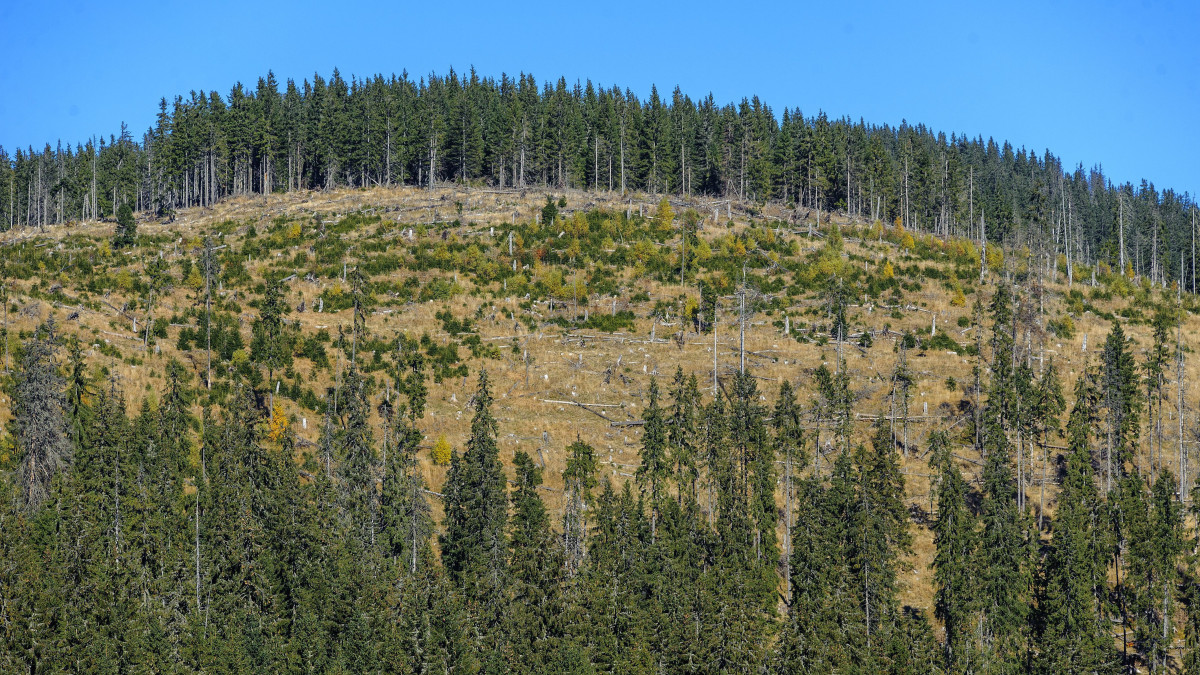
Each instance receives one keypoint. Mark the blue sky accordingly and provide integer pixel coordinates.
(1116, 84)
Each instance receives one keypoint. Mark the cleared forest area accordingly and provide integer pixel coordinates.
(926, 350)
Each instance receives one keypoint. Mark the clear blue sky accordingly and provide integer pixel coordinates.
(1116, 84)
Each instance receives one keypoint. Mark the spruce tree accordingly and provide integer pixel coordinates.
(835, 402)
(682, 426)
(406, 519)
(126, 231)
(1156, 372)
(1128, 517)
(534, 565)
(1191, 655)
(826, 627)
(654, 470)
(474, 545)
(358, 460)
(788, 423)
(956, 537)
(1046, 407)
(79, 391)
(1154, 553)
(754, 454)
(270, 346)
(1003, 558)
(881, 529)
(1122, 405)
(1074, 634)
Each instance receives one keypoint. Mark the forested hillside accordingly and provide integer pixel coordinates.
(275, 403)
(515, 132)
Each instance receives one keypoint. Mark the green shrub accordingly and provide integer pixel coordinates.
(1063, 327)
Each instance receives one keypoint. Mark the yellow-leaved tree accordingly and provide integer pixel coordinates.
(277, 426)
(441, 451)
(664, 216)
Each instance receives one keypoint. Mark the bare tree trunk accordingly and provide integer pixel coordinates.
(742, 327)
(622, 155)
(197, 517)
(1121, 229)
(1182, 466)
(787, 528)
(982, 247)
(208, 270)
(714, 331)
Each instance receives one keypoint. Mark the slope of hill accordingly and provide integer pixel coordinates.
(573, 302)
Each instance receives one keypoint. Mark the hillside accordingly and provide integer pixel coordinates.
(573, 319)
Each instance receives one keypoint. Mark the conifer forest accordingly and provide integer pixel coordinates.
(465, 375)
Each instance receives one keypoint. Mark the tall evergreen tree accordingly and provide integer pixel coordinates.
(826, 627)
(406, 518)
(881, 530)
(789, 444)
(1003, 559)
(1074, 634)
(956, 537)
(126, 232)
(475, 544)
(535, 567)
(270, 346)
(358, 461)
(682, 425)
(1153, 573)
(654, 471)
(1122, 405)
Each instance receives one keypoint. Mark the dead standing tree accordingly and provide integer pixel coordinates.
(40, 423)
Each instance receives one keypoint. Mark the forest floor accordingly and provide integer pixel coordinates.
(582, 383)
